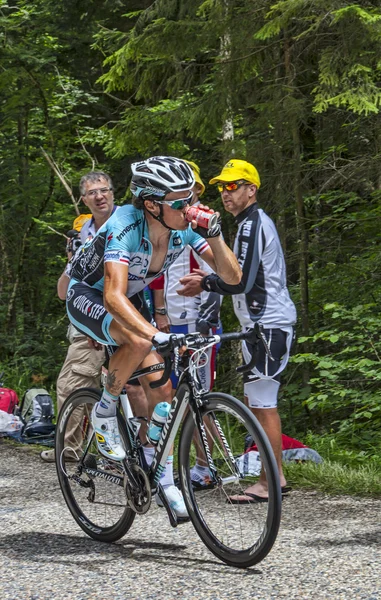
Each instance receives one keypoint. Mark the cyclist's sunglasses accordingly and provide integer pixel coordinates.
(232, 186)
(179, 203)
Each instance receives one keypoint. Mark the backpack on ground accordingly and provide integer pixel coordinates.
(37, 412)
(8, 400)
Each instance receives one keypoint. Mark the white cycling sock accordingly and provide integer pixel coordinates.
(106, 407)
(148, 454)
(167, 475)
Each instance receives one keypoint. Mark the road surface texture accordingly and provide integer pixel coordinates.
(328, 547)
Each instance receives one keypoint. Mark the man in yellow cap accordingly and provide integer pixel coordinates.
(261, 296)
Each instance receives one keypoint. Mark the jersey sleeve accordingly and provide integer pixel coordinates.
(250, 243)
(196, 241)
(119, 240)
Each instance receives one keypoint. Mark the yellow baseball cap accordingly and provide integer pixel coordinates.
(79, 222)
(196, 172)
(236, 169)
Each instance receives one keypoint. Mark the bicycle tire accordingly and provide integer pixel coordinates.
(92, 520)
(211, 508)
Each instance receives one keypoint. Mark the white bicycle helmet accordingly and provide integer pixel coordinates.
(159, 175)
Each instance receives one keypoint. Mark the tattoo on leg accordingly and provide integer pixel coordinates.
(113, 384)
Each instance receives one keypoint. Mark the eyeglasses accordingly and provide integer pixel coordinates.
(232, 186)
(103, 191)
(179, 203)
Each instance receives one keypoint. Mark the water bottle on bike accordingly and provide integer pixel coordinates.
(159, 417)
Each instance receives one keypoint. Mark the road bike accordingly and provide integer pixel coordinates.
(104, 496)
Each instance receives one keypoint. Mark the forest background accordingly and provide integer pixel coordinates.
(293, 87)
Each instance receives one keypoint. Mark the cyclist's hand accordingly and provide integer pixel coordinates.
(165, 343)
(208, 233)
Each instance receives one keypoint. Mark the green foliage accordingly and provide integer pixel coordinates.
(343, 392)
(335, 478)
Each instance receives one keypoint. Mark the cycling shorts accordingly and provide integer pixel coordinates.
(86, 311)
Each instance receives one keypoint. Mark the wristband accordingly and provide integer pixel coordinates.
(161, 311)
(206, 282)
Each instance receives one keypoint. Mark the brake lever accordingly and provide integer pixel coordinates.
(250, 365)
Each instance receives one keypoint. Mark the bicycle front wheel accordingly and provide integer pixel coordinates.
(91, 484)
(239, 534)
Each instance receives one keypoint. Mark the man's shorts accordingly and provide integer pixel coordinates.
(261, 385)
(87, 312)
(207, 372)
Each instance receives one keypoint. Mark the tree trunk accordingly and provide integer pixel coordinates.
(300, 208)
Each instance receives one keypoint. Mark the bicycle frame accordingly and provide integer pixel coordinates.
(185, 397)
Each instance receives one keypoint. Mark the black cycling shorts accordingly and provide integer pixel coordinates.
(87, 312)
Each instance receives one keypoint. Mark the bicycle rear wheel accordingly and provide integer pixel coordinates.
(91, 484)
(239, 534)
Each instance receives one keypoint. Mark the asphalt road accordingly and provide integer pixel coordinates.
(328, 547)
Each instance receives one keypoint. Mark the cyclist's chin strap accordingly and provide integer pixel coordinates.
(159, 217)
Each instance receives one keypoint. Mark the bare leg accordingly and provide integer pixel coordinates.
(270, 421)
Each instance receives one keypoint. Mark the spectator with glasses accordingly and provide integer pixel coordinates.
(261, 296)
(136, 245)
(84, 359)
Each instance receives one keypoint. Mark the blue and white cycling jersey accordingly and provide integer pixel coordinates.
(124, 238)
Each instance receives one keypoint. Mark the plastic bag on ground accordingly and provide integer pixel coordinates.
(10, 425)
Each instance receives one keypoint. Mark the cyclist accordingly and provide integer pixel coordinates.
(137, 244)
(262, 295)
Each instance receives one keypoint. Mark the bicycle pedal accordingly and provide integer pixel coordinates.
(173, 519)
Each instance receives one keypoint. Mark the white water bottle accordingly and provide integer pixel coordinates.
(159, 417)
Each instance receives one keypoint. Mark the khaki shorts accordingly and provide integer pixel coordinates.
(82, 368)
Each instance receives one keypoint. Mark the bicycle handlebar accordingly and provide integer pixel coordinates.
(197, 340)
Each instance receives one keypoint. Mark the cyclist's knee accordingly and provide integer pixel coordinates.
(128, 340)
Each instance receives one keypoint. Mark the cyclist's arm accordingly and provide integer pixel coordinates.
(119, 306)
(162, 321)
